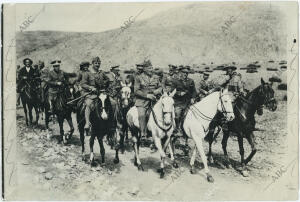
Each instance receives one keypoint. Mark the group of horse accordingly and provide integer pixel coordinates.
(216, 110)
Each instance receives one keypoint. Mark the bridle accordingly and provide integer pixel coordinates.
(205, 117)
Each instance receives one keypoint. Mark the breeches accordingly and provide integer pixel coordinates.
(142, 119)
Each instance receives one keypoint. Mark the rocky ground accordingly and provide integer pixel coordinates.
(50, 171)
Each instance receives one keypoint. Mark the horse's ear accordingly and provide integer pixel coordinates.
(224, 91)
(122, 84)
(173, 93)
(129, 85)
(262, 81)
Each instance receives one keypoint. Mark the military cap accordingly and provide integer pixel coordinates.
(158, 70)
(205, 74)
(84, 64)
(96, 59)
(27, 59)
(147, 63)
(183, 69)
(115, 68)
(230, 67)
(55, 63)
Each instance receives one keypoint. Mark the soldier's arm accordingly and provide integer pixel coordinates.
(51, 81)
(193, 89)
(137, 88)
(68, 75)
(85, 82)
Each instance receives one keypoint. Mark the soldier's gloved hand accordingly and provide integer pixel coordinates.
(151, 97)
(192, 101)
(58, 83)
(93, 89)
(182, 93)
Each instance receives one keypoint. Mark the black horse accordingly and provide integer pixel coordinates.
(30, 98)
(244, 123)
(63, 110)
(101, 118)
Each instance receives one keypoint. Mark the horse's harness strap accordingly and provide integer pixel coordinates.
(156, 122)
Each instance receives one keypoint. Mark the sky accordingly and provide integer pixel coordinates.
(85, 17)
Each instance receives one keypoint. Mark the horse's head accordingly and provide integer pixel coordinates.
(125, 93)
(266, 93)
(168, 107)
(225, 105)
(104, 108)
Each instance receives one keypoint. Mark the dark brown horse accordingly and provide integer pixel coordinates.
(29, 98)
(63, 111)
(244, 123)
(101, 123)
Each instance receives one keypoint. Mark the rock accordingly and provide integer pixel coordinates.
(42, 170)
(134, 191)
(48, 176)
(60, 165)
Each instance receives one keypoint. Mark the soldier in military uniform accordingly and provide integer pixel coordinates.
(56, 78)
(185, 95)
(159, 73)
(92, 81)
(232, 81)
(169, 81)
(147, 87)
(44, 74)
(114, 84)
(204, 86)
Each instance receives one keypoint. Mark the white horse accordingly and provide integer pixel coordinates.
(161, 125)
(197, 122)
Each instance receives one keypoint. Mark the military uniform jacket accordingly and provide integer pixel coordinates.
(168, 83)
(55, 77)
(97, 80)
(144, 85)
(185, 91)
(233, 83)
(114, 84)
(204, 87)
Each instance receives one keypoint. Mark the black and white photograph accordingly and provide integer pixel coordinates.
(150, 101)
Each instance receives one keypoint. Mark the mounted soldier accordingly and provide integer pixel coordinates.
(147, 87)
(204, 86)
(169, 80)
(26, 75)
(185, 95)
(91, 83)
(114, 87)
(44, 74)
(159, 73)
(56, 79)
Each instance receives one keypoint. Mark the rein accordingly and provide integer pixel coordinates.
(156, 122)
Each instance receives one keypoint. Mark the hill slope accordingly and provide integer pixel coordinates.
(188, 35)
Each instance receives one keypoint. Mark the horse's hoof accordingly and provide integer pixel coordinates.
(245, 173)
(65, 140)
(193, 171)
(210, 160)
(140, 167)
(175, 164)
(210, 178)
(116, 161)
(83, 157)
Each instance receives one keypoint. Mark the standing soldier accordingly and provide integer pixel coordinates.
(146, 87)
(56, 78)
(114, 84)
(92, 81)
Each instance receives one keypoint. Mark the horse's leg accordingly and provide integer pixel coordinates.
(117, 147)
(252, 143)
(175, 164)
(199, 144)
(92, 140)
(102, 150)
(192, 161)
(70, 122)
(80, 125)
(37, 113)
(210, 137)
(30, 113)
(241, 147)
(224, 147)
(122, 138)
(157, 142)
(60, 121)
(135, 138)
(25, 110)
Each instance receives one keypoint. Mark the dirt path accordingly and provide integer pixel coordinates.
(50, 171)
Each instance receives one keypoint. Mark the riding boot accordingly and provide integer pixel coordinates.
(87, 118)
